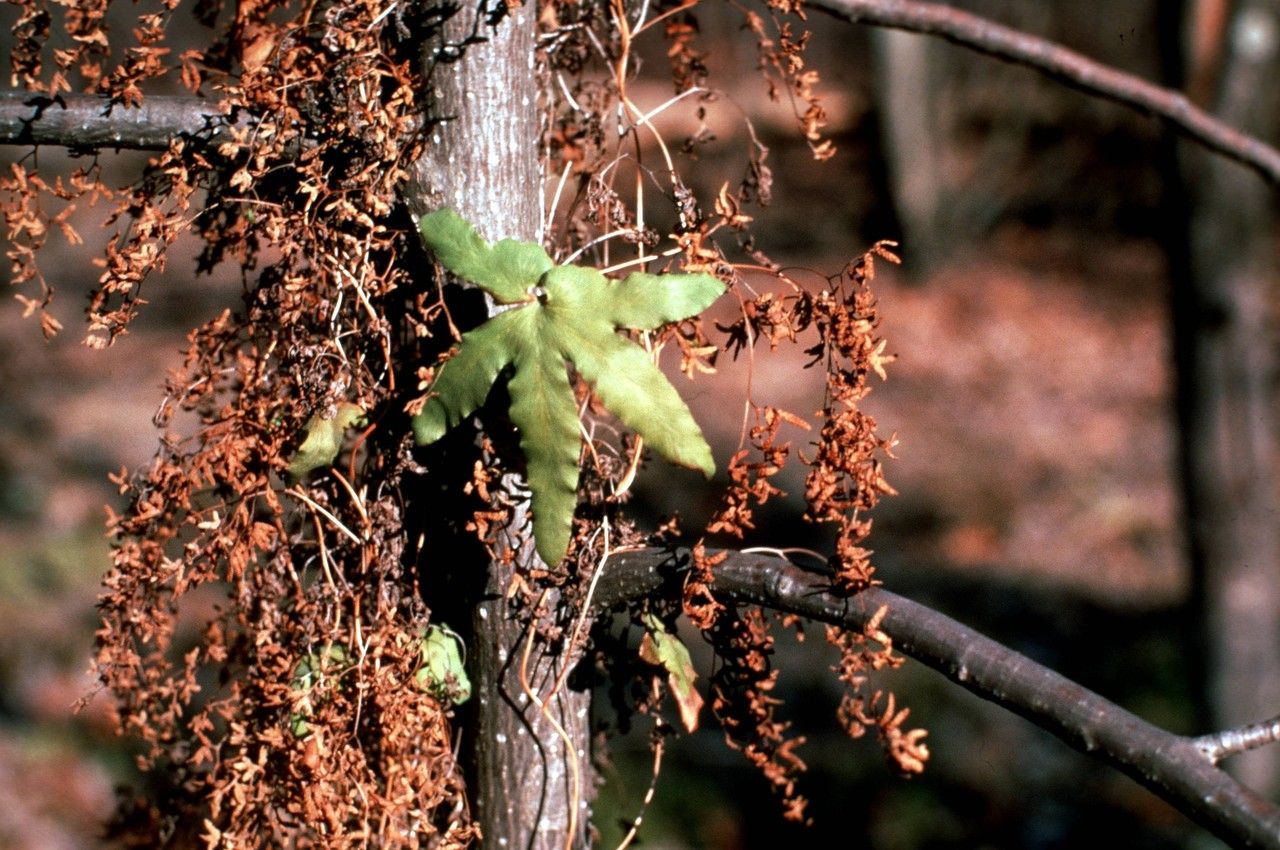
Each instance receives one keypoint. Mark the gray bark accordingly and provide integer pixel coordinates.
(483, 162)
(1223, 311)
(86, 121)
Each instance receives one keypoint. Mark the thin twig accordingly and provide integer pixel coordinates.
(648, 796)
(297, 493)
(356, 501)
(1062, 64)
(1231, 742)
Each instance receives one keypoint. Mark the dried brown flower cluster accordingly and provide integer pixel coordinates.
(85, 64)
(743, 702)
(846, 475)
(845, 479)
(750, 480)
(295, 713)
(782, 61)
(28, 223)
(860, 654)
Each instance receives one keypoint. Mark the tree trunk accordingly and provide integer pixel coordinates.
(1224, 273)
(483, 162)
(912, 142)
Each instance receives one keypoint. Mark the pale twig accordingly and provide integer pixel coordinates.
(355, 499)
(597, 240)
(658, 110)
(326, 568)
(648, 797)
(633, 466)
(785, 552)
(641, 15)
(383, 14)
(1232, 742)
(298, 494)
(555, 200)
(637, 261)
(362, 643)
(569, 97)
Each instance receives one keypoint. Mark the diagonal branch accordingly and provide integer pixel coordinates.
(1174, 767)
(89, 121)
(86, 121)
(1062, 64)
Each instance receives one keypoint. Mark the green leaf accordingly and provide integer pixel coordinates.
(324, 439)
(442, 673)
(545, 411)
(463, 381)
(663, 649)
(637, 392)
(507, 270)
(572, 320)
(312, 678)
(646, 301)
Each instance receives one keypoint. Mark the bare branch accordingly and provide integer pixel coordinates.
(1174, 767)
(88, 121)
(1064, 65)
(84, 120)
(1219, 745)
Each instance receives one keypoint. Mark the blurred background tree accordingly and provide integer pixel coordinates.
(1223, 274)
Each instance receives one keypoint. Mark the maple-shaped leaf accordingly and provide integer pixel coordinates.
(563, 313)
